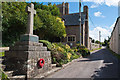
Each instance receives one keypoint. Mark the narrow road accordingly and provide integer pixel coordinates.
(100, 64)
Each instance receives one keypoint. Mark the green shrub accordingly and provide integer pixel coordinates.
(76, 56)
(61, 54)
(78, 46)
(83, 51)
(47, 43)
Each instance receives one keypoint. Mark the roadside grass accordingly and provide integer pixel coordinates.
(115, 54)
(95, 49)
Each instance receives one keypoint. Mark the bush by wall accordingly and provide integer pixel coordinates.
(61, 54)
(83, 50)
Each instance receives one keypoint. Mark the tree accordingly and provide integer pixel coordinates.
(93, 41)
(52, 26)
(97, 42)
(108, 39)
(14, 21)
(106, 42)
(53, 9)
(47, 24)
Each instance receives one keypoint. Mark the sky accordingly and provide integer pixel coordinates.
(102, 15)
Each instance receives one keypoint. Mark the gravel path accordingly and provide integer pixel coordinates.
(100, 64)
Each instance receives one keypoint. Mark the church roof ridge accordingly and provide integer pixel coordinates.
(73, 19)
(73, 13)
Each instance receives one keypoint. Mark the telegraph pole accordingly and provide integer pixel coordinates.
(100, 37)
(80, 19)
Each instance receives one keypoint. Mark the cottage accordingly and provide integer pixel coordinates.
(72, 23)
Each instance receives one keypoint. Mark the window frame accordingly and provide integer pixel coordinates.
(72, 38)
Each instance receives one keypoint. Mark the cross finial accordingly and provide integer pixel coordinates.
(31, 13)
(31, 9)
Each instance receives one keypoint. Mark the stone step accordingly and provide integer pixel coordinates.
(2, 66)
(8, 68)
(39, 54)
(28, 43)
(28, 48)
(1, 60)
(3, 57)
(2, 49)
(9, 73)
(17, 77)
(10, 54)
(53, 65)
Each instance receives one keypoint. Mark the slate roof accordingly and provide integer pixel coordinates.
(73, 19)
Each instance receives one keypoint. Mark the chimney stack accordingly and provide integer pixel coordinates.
(86, 12)
(63, 8)
(67, 8)
(86, 26)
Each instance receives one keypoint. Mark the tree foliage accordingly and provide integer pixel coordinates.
(14, 21)
(52, 26)
(47, 24)
(50, 8)
(106, 42)
(93, 41)
(97, 42)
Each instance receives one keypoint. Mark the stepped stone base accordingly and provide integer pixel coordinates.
(22, 59)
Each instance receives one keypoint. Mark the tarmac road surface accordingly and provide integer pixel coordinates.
(100, 64)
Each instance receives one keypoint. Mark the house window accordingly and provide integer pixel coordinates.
(71, 39)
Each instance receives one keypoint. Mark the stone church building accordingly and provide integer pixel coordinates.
(72, 24)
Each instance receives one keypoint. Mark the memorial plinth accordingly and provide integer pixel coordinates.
(29, 37)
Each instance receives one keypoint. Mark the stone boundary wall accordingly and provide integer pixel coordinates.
(94, 46)
(115, 38)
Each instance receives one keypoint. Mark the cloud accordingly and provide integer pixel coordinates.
(105, 32)
(112, 26)
(95, 33)
(95, 1)
(98, 14)
(111, 2)
(106, 2)
(94, 6)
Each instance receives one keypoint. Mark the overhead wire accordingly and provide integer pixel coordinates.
(90, 18)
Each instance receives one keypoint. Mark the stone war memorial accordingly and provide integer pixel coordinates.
(27, 58)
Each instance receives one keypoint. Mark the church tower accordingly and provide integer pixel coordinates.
(64, 8)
